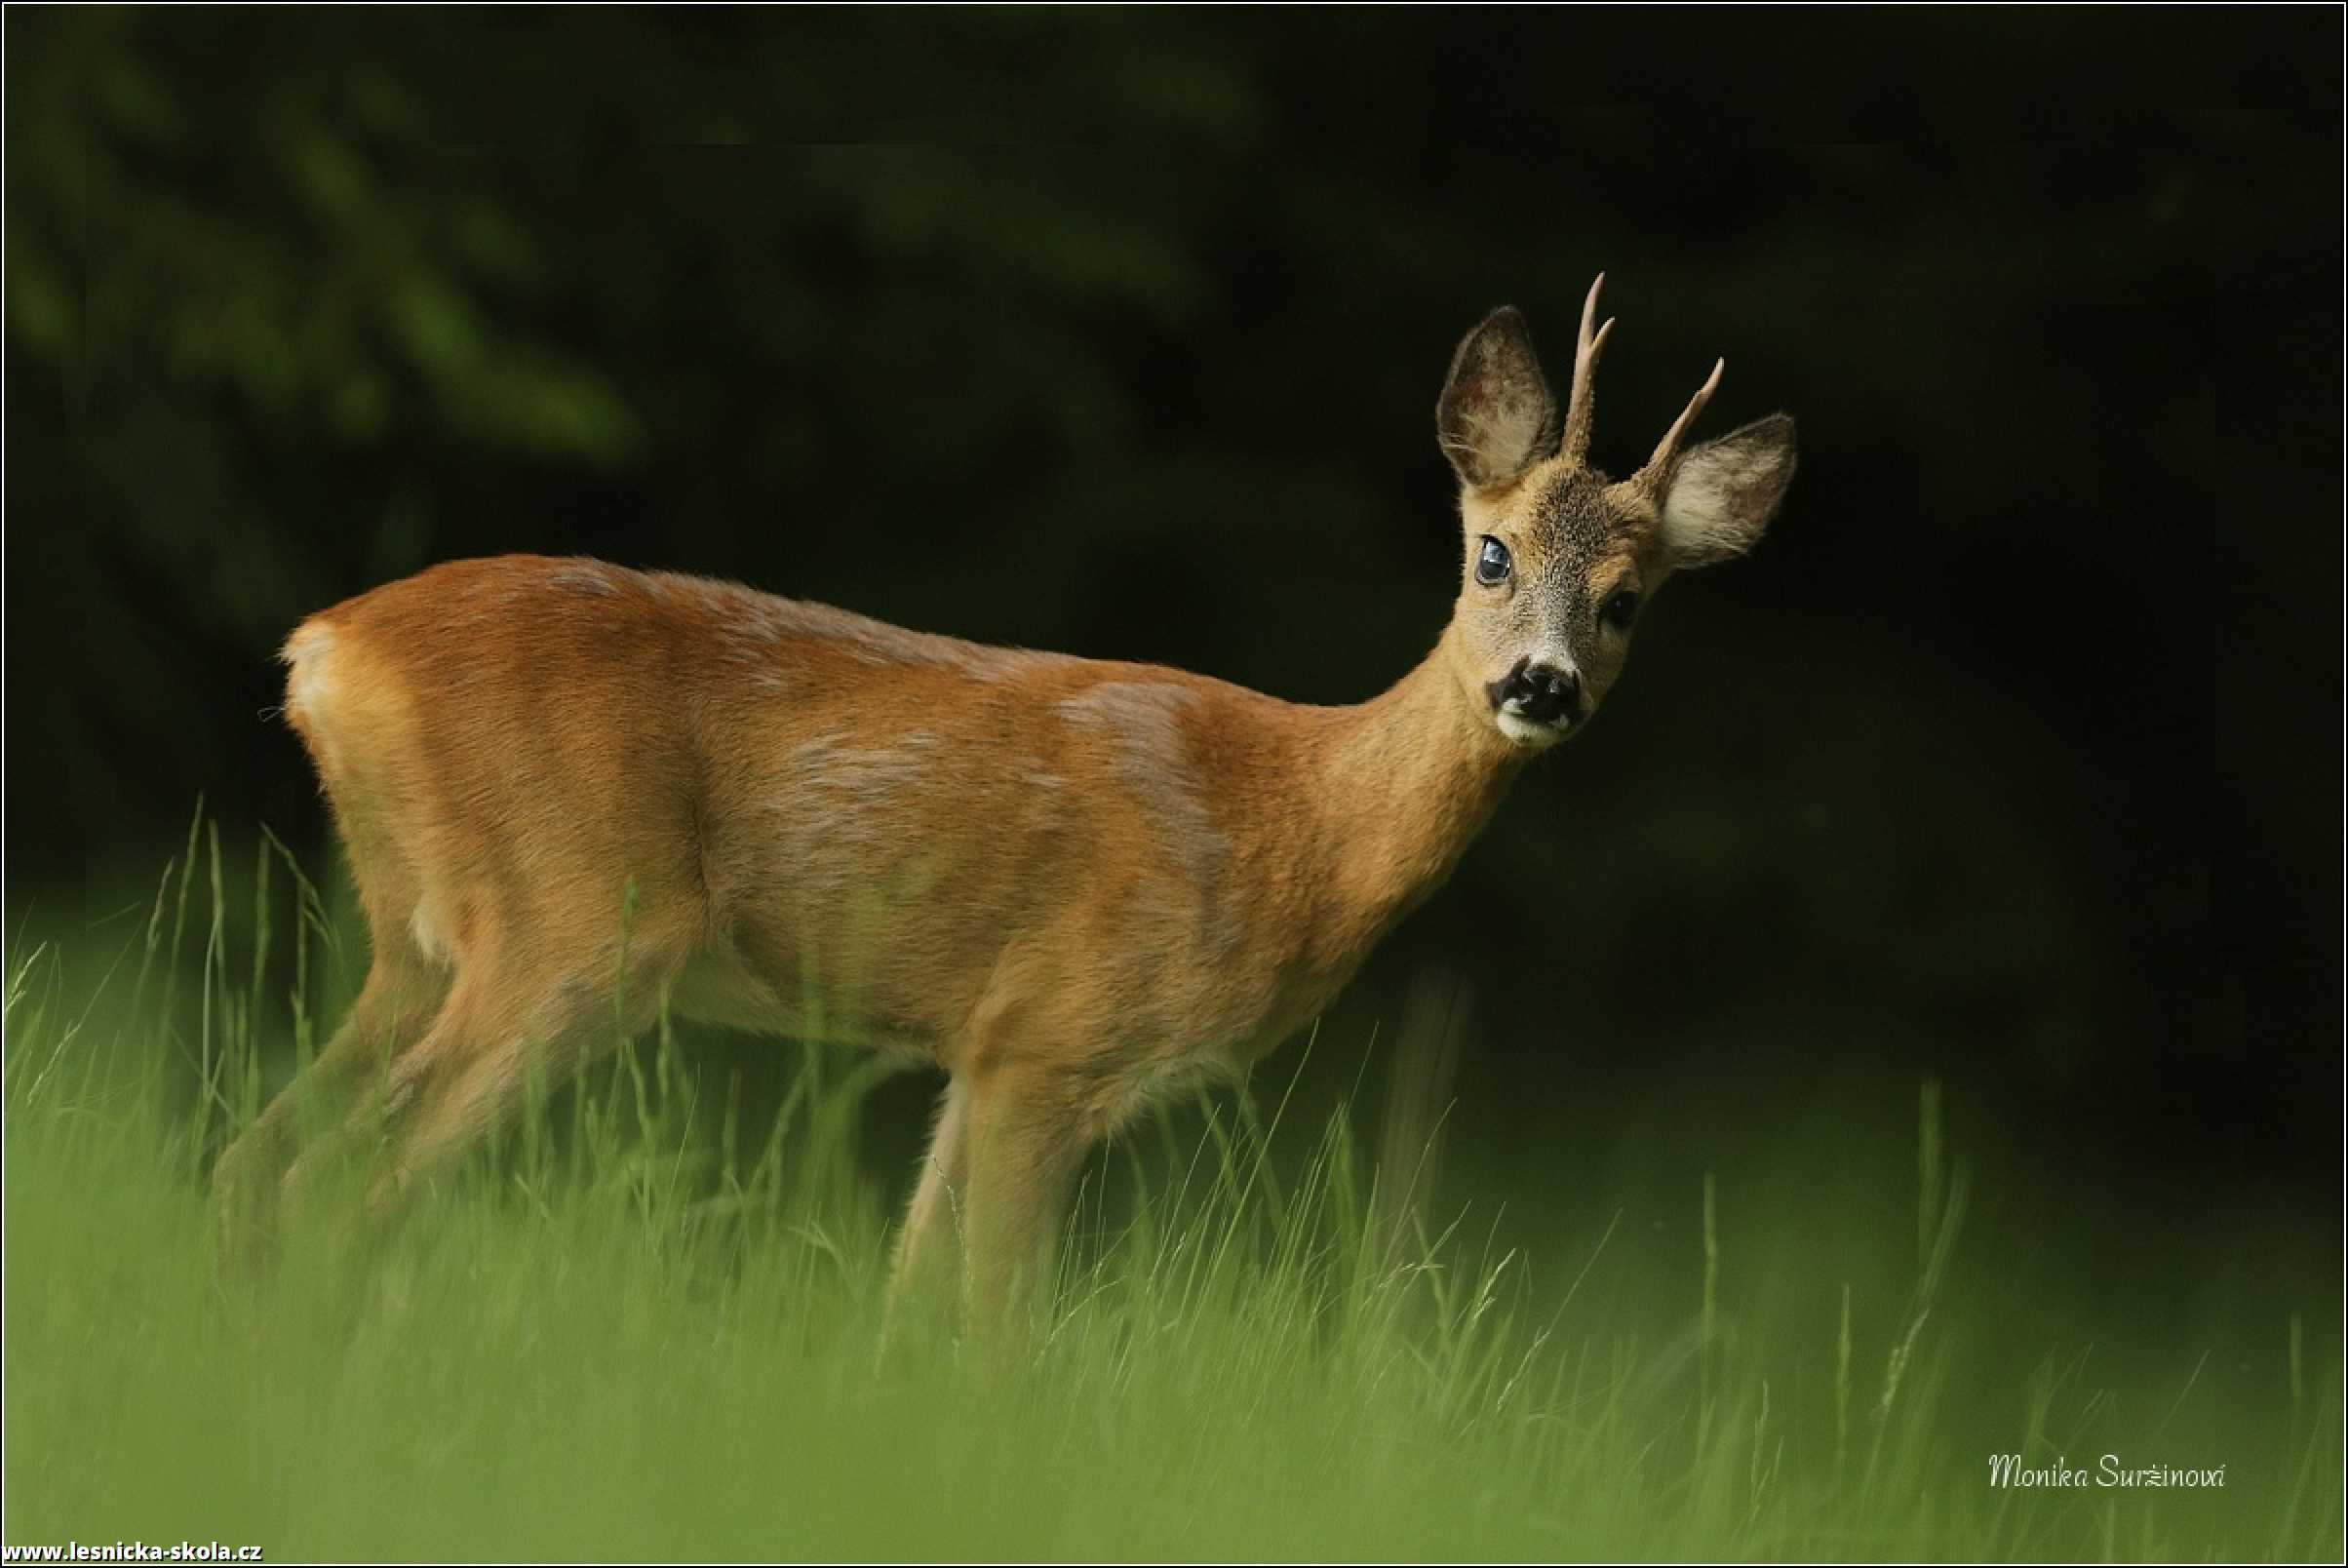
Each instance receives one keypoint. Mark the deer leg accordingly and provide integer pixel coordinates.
(394, 1007)
(1027, 1140)
(502, 1024)
(931, 1238)
(930, 1245)
(471, 1077)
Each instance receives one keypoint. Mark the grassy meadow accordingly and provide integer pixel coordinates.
(647, 1323)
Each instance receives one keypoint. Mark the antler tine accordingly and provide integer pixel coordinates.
(1587, 350)
(1658, 466)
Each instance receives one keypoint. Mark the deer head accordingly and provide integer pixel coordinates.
(1559, 559)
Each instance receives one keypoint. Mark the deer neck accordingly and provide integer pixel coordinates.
(1410, 777)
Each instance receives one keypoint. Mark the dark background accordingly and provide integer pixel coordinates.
(2011, 756)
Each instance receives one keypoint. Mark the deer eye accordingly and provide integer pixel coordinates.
(1491, 565)
(1620, 609)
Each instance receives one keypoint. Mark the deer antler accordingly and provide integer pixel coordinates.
(1578, 407)
(1581, 404)
(1658, 473)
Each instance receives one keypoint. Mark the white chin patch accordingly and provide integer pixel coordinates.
(1523, 732)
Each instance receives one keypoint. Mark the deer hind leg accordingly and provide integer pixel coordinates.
(1028, 1134)
(508, 1020)
(407, 983)
(930, 1245)
(403, 991)
(472, 1075)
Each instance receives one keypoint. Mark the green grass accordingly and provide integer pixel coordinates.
(645, 1324)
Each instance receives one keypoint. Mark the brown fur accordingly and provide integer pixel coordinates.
(1069, 883)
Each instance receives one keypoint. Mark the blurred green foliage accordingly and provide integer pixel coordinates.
(647, 1321)
(1043, 327)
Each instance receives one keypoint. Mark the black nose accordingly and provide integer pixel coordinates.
(1542, 693)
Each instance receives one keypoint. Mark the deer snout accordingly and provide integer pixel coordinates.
(1539, 693)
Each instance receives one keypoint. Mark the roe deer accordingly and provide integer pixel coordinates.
(1069, 882)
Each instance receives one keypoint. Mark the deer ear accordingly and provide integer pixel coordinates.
(1724, 493)
(1496, 418)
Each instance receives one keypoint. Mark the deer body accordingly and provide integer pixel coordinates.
(901, 835)
(569, 791)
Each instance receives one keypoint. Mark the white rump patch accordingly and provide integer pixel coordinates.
(312, 693)
(308, 687)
